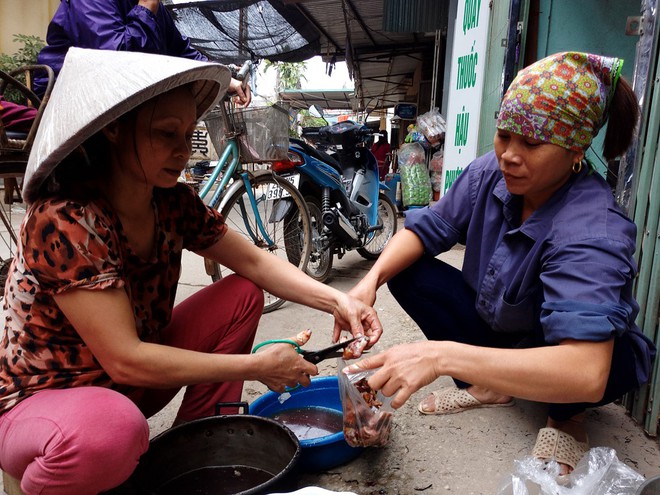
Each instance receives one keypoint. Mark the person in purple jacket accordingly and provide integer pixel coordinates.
(123, 25)
(543, 308)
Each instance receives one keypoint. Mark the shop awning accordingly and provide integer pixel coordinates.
(326, 99)
(385, 43)
(232, 31)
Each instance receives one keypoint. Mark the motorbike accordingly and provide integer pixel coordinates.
(338, 177)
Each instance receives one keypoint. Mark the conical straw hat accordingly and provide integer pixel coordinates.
(96, 87)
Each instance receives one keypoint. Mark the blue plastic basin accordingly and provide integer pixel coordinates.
(321, 453)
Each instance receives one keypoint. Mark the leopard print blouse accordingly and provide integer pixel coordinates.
(65, 245)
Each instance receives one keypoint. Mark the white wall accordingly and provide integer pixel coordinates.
(29, 17)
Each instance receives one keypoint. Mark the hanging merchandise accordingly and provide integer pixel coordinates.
(435, 168)
(415, 182)
(433, 126)
(414, 136)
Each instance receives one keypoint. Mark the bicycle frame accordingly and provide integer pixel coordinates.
(230, 168)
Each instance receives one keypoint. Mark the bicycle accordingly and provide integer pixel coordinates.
(266, 209)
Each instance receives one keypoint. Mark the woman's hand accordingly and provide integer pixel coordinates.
(284, 367)
(404, 369)
(152, 5)
(242, 94)
(357, 317)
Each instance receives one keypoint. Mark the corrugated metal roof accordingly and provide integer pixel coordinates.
(408, 16)
(331, 99)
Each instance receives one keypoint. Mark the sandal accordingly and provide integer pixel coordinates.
(555, 444)
(451, 400)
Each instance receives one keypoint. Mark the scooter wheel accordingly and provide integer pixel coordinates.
(387, 218)
(319, 265)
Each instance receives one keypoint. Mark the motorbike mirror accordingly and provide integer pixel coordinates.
(316, 111)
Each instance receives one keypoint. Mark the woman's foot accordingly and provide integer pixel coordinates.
(452, 400)
(564, 441)
(574, 427)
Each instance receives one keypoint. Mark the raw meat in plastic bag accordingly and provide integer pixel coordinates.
(367, 414)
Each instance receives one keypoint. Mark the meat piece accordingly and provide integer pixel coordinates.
(354, 349)
(365, 422)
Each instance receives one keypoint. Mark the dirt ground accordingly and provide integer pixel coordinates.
(467, 453)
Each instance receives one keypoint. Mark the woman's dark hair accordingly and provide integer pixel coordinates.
(623, 115)
(78, 175)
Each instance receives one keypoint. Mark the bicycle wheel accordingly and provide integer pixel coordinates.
(380, 238)
(281, 210)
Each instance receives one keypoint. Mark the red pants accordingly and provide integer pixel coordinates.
(89, 439)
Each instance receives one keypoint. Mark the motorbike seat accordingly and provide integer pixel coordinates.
(318, 154)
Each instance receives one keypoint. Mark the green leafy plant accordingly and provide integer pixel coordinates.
(305, 119)
(308, 120)
(289, 74)
(25, 55)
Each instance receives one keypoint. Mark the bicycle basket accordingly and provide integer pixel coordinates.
(263, 137)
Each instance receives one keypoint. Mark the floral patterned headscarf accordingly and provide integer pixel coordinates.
(562, 99)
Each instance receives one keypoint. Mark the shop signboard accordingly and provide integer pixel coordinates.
(202, 148)
(406, 111)
(468, 61)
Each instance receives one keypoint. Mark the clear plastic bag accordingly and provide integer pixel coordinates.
(433, 125)
(415, 181)
(367, 414)
(314, 490)
(599, 472)
(435, 167)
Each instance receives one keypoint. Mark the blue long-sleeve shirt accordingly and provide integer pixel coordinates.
(111, 25)
(565, 273)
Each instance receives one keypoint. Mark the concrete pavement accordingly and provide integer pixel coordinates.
(467, 453)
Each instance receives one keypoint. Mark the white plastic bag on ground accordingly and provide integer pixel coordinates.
(599, 472)
(314, 490)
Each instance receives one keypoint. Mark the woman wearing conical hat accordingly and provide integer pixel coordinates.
(93, 344)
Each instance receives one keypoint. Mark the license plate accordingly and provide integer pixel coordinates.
(276, 192)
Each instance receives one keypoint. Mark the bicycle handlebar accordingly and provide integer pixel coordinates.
(241, 74)
(244, 73)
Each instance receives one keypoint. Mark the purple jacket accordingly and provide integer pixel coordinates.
(111, 25)
(567, 272)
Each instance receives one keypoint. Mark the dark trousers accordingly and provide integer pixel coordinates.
(435, 295)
